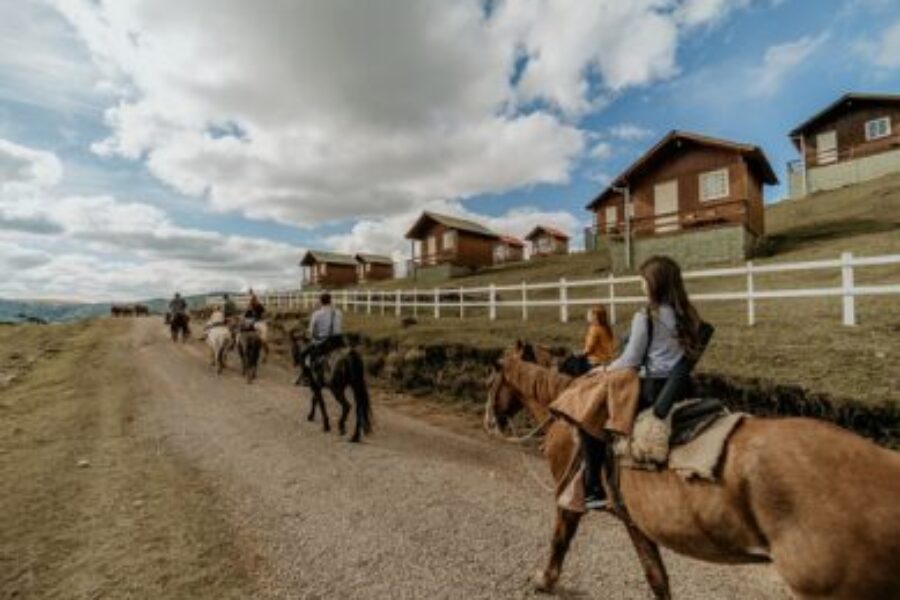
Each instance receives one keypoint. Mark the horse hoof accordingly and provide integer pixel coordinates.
(310, 418)
(543, 583)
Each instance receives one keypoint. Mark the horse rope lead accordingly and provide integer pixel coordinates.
(525, 463)
(519, 440)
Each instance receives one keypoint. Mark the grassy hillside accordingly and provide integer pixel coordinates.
(797, 341)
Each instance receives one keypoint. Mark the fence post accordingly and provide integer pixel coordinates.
(383, 301)
(612, 298)
(369, 303)
(492, 303)
(415, 302)
(462, 309)
(398, 303)
(847, 285)
(437, 303)
(524, 301)
(751, 303)
(563, 301)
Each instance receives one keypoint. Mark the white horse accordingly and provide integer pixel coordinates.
(263, 330)
(219, 338)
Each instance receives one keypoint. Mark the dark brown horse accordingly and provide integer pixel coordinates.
(819, 504)
(178, 325)
(249, 348)
(348, 371)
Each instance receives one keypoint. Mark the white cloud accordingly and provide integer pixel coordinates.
(601, 151)
(886, 51)
(780, 61)
(306, 112)
(93, 247)
(630, 132)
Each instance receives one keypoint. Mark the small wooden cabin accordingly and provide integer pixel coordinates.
(855, 138)
(508, 249)
(328, 269)
(547, 240)
(372, 267)
(687, 181)
(443, 240)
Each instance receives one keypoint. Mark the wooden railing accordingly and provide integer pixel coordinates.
(716, 212)
(458, 301)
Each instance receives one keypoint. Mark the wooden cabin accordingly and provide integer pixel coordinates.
(547, 240)
(372, 267)
(856, 138)
(508, 249)
(328, 269)
(687, 181)
(444, 240)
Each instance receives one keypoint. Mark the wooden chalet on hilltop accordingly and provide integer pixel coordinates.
(547, 240)
(687, 181)
(444, 240)
(508, 249)
(373, 267)
(855, 138)
(328, 269)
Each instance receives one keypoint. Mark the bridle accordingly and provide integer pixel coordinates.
(490, 416)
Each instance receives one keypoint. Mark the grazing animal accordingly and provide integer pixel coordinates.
(820, 504)
(249, 347)
(220, 340)
(348, 371)
(178, 325)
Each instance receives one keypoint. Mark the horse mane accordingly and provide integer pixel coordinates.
(539, 384)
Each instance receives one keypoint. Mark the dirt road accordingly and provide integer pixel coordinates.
(203, 486)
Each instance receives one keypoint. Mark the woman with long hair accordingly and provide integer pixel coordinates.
(599, 344)
(667, 330)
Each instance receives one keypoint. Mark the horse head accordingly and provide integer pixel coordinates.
(503, 401)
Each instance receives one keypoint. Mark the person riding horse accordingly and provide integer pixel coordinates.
(256, 306)
(178, 316)
(325, 333)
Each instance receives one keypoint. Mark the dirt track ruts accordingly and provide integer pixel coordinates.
(205, 487)
(417, 511)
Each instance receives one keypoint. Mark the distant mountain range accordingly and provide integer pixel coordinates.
(51, 311)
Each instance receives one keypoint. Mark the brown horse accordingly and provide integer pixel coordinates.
(818, 503)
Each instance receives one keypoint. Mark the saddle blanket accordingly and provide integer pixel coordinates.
(697, 458)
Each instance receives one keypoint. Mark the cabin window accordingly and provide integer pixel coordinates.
(714, 185)
(878, 128)
(499, 253)
(323, 268)
(432, 245)
(449, 241)
(368, 267)
(611, 218)
(826, 147)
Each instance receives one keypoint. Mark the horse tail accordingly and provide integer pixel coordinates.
(360, 391)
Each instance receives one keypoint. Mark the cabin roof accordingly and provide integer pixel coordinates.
(754, 155)
(313, 257)
(375, 259)
(512, 241)
(843, 104)
(417, 231)
(539, 229)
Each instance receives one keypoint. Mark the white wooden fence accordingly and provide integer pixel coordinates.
(445, 301)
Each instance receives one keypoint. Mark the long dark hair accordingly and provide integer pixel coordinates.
(666, 286)
(600, 318)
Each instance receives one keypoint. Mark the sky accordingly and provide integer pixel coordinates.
(154, 146)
